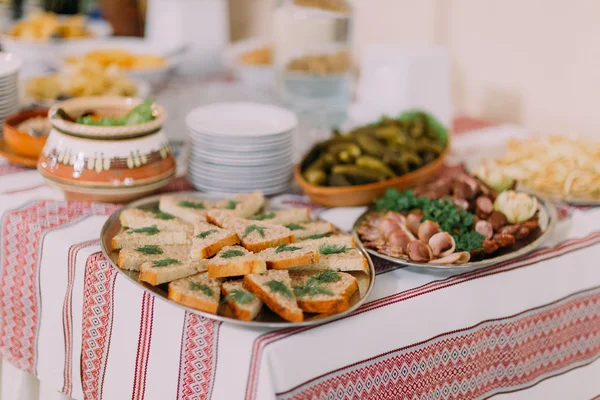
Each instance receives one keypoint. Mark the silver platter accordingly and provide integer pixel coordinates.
(266, 318)
(547, 220)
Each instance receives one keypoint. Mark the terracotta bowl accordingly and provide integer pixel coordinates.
(96, 163)
(361, 195)
(22, 142)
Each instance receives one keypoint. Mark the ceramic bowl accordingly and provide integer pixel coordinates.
(22, 142)
(360, 195)
(97, 163)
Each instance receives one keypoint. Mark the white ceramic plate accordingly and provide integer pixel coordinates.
(243, 119)
(267, 170)
(241, 173)
(266, 190)
(10, 64)
(241, 147)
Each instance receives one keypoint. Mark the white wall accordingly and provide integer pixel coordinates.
(535, 62)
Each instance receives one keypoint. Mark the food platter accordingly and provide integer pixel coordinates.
(266, 318)
(547, 221)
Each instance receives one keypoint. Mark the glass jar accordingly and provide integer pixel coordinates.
(311, 54)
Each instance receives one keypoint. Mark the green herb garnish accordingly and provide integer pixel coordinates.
(254, 228)
(327, 249)
(191, 204)
(205, 234)
(165, 263)
(311, 291)
(161, 215)
(319, 236)
(470, 241)
(150, 249)
(295, 227)
(240, 296)
(149, 230)
(328, 276)
(231, 253)
(231, 205)
(286, 247)
(279, 287)
(451, 219)
(201, 286)
(311, 286)
(263, 216)
(140, 114)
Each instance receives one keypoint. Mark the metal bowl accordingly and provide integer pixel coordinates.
(548, 218)
(266, 318)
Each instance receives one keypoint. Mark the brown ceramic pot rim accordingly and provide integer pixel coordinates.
(102, 185)
(78, 105)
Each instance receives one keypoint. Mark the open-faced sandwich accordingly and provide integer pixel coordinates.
(235, 258)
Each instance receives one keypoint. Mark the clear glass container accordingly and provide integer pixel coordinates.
(311, 54)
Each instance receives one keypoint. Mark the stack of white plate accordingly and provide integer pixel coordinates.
(239, 147)
(9, 85)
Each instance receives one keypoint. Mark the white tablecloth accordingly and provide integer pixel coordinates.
(529, 327)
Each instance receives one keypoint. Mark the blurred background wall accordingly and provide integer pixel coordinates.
(532, 62)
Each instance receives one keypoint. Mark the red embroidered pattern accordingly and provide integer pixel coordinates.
(20, 250)
(68, 315)
(474, 362)
(198, 360)
(143, 350)
(97, 323)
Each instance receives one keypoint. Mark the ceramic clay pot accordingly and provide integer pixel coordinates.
(108, 164)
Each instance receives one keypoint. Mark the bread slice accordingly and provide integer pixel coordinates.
(187, 208)
(363, 279)
(244, 304)
(235, 261)
(275, 289)
(149, 236)
(134, 218)
(337, 240)
(349, 260)
(310, 230)
(132, 258)
(323, 292)
(289, 255)
(257, 235)
(283, 217)
(197, 291)
(209, 239)
(219, 217)
(165, 270)
(244, 205)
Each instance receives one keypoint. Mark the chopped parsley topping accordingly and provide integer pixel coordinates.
(205, 234)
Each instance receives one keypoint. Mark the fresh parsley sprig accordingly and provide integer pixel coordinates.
(191, 204)
(240, 296)
(286, 247)
(327, 249)
(150, 249)
(295, 227)
(148, 230)
(231, 253)
(263, 216)
(205, 234)
(279, 287)
(161, 215)
(200, 286)
(165, 263)
(254, 228)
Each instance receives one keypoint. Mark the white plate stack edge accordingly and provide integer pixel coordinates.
(240, 147)
(10, 66)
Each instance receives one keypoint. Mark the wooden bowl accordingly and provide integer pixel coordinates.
(360, 195)
(23, 143)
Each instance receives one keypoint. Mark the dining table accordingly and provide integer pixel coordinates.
(72, 326)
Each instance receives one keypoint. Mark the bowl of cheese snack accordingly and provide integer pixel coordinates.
(239, 260)
(81, 81)
(41, 35)
(110, 149)
(136, 58)
(251, 61)
(27, 131)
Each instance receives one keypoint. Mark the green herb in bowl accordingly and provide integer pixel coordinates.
(142, 113)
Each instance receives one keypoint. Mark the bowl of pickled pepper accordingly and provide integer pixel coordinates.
(353, 168)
